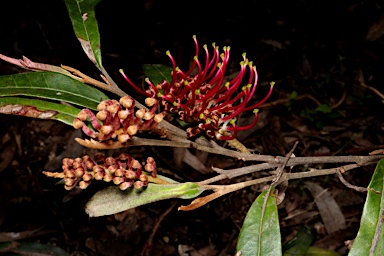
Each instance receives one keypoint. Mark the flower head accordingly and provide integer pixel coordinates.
(202, 99)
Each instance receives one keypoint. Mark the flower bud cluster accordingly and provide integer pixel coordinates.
(117, 120)
(202, 99)
(123, 170)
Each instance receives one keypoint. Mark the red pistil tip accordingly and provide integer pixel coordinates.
(272, 83)
(244, 54)
(168, 53)
(233, 121)
(201, 116)
(194, 37)
(256, 110)
(205, 46)
(197, 92)
(227, 84)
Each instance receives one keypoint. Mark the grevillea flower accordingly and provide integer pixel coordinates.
(123, 170)
(202, 99)
(117, 119)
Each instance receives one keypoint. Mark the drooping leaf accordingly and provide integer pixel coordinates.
(158, 73)
(260, 233)
(84, 23)
(31, 248)
(53, 86)
(370, 238)
(112, 200)
(60, 112)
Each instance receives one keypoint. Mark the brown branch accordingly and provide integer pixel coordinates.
(346, 183)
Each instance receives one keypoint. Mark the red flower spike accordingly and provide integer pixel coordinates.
(202, 100)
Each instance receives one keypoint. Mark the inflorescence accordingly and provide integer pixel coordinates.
(122, 170)
(117, 120)
(202, 99)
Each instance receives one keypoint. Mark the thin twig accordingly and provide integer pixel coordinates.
(280, 169)
(149, 244)
(347, 184)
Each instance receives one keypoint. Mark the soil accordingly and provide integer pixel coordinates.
(326, 58)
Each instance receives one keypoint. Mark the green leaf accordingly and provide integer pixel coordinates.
(112, 200)
(260, 233)
(300, 243)
(30, 248)
(370, 238)
(324, 108)
(293, 95)
(65, 114)
(53, 86)
(158, 72)
(84, 23)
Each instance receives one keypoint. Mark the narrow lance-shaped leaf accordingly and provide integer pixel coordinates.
(260, 233)
(38, 109)
(53, 86)
(112, 200)
(370, 238)
(82, 14)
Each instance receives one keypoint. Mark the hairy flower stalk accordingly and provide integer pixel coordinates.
(202, 99)
(123, 170)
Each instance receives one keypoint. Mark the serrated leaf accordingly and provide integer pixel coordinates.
(158, 72)
(370, 238)
(260, 233)
(84, 23)
(53, 86)
(65, 114)
(31, 248)
(112, 200)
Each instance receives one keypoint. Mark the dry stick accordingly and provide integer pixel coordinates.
(347, 184)
(280, 169)
(148, 245)
(220, 190)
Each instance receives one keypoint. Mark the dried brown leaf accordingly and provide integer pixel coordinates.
(29, 111)
(329, 210)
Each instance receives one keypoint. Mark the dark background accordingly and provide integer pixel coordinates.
(313, 48)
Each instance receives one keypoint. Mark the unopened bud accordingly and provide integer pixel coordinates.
(69, 174)
(143, 178)
(122, 138)
(102, 115)
(69, 181)
(102, 105)
(77, 123)
(138, 184)
(159, 117)
(118, 180)
(125, 185)
(79, 172)
(108, 177)
(132, 129)
(84, 184)
(113, 108)
(130, 174)
(87, 177)
(150, 102)
(135, 164)
(127, 101)
(82, 115)
(120, 172)
(140, 113)
(148, 115)
(122, 114)
(106, 129)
